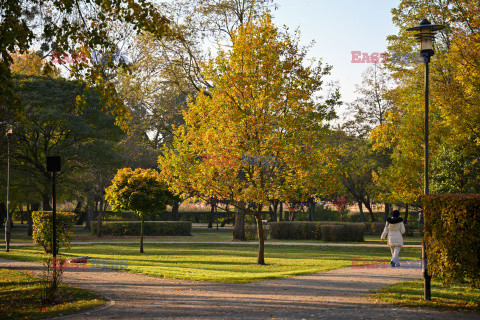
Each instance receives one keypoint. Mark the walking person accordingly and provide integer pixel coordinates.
(394, 229)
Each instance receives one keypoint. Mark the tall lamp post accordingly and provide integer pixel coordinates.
(8, 225)
(426, 36)
(53, 166)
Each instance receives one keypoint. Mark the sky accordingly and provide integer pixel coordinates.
(339, 27)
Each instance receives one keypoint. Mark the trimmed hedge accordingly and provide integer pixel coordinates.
(43, 229)
(343, 232)
(306, 230)
(376, 228)
(151, 228)
(295, 230)
(252, 234)
(452, 236)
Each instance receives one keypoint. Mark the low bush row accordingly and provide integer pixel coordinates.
(326, 231)
(151, 228)
(376, 228)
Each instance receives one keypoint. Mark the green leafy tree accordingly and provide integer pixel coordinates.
(141, 191)
(58, 117)
(367, 111)
(455, 171)
(358, 162)
(260, 135)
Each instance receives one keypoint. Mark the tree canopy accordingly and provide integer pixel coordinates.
(261, 134)
(141, 191)
(76, 28)
(58, 117)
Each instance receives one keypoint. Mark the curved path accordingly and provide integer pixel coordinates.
(336, 294)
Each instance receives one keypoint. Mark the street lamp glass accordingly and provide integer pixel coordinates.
(426, 40)
(426, 34)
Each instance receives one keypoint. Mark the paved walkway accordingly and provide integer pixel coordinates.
(336, 294)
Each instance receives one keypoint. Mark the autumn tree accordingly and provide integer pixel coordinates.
(402, 133)
(165, 71)
(141, 191)
(454, 117)
(261, 134)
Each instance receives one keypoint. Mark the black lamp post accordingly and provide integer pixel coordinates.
(8, 225)
(53, 166)
(426, 36)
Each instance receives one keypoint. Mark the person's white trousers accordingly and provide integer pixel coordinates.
(395, 254)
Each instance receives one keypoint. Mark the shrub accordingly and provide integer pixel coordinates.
(151, 228)
(374, 228)
(43, 229)
(343, 232)
(452, 237)
(295, 230)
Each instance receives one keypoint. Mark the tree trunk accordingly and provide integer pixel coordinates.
(100, 215)
(273, 210)
(141, 233)
(406, 213)
(79, 213)
(360, 207)
(46, 203)
(175, 215)
(387, 212)
(212, 213)
(239, 228)
(261, 237)
(90, 209)
(311, 209)
(366, 202)
(280, 213)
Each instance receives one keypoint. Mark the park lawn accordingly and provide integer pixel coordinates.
(448, 297)
(233, 263)
(20, 298)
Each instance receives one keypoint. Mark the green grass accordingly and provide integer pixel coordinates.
(449, 297)
(233, 263)
(20, 298)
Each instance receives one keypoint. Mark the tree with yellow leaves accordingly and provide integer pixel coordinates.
(260, 134)
(454, 104)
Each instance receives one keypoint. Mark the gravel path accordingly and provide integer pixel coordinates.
(336, 294)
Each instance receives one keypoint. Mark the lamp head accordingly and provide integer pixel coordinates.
(426, 35)
(9, 130)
